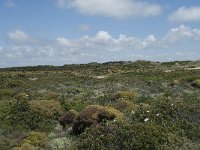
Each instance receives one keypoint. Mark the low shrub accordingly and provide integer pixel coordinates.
(126, 95)
(4, 142)
(174, 83)
(52, 96)
(95, 114)
(125, 136)
(37, 139)
(76, 105)
(15, 83)
(124, 105)
(48, 108)
(25, 146)
(21, 96)
(61, 143)
(68, 117)
(21, 116)
(196, 83)
(6, 93)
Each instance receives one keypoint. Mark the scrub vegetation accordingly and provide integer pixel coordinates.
(139, 105)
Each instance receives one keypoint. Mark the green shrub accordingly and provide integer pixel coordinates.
(61, 143)
(95, 114)
(21, 116)
(175, 82)
(196, 83)
(6, 93)
(15, 83)
(68, 117)
(4, 143)
(25, 146)
(52, 96)
(4, 115)
(126, 95)
(37, 139)
(21, 96)
(178, 116)
(125, 136)
(76, 105)
(48, 108)
(124, 105)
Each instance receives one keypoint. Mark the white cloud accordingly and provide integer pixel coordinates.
(103, 41)
(148, 41)
(63, 41)
(184, 14)
(181, 33)
(19, 36)
(112, 8)
(103, 36)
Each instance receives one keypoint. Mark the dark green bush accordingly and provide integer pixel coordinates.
(21, 116)
(148, 136)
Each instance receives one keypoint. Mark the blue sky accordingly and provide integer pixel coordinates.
(57, 32)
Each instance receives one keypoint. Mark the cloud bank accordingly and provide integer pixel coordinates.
(100, 47)
(112, 8)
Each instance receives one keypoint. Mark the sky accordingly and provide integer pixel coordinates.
(58, 32)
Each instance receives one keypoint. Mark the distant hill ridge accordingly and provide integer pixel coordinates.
(51, 67)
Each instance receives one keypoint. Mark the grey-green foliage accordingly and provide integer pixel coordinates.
(61, 143)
